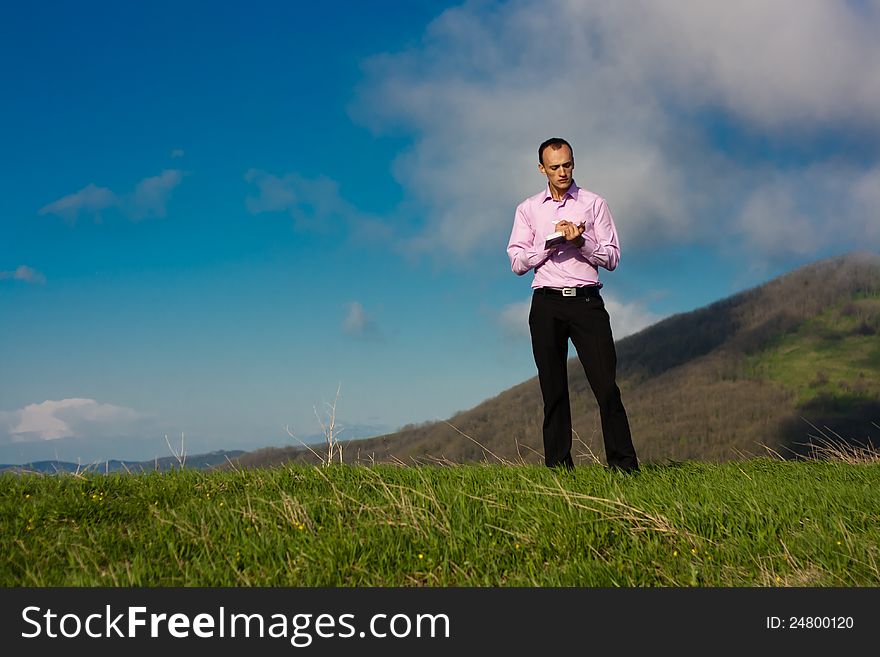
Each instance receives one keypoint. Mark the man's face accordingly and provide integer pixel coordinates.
(558, 166)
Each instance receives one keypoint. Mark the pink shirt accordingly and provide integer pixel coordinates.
(563, 265)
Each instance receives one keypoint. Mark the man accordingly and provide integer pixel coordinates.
(566, 302)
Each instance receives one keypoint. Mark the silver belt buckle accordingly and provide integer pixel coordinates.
(569, 291)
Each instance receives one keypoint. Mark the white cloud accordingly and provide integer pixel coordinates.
(90, 199)
(177, 152)
(772, 63)
(288, 193)
(151, 194)
(149, 198)
(356, 319)
(313, 203)
(23, 273)
(770, 219)
(514, 319)
(66, 418)
(801, 211)
(626, 317)
(357, 322)
(629, 84)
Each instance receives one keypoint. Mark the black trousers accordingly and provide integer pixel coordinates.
(552, 321)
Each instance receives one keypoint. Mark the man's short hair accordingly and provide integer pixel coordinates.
(555, 143)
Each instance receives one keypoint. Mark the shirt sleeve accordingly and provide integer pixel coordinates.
(601, 247)
(525, 249)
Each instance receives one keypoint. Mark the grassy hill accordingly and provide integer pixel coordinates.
(782, 366)
(761, 522)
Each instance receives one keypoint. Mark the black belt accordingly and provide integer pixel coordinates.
(585, 291)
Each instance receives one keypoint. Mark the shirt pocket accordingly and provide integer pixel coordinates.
(588, 219)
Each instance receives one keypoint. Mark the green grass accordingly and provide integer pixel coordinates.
(762, 522)
(832, 355)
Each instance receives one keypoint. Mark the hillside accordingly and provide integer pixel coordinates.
(776, 366)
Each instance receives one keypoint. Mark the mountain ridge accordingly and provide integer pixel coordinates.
(205, 461)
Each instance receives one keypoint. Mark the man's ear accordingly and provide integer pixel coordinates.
(541, 168)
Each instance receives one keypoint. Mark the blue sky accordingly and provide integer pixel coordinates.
(216, 214)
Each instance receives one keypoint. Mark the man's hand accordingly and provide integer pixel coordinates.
(571, 231)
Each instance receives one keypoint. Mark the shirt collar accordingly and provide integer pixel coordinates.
(571, 192)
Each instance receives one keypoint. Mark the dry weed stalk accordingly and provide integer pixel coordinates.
(293, 512)
(638, 519)
(589, 452)
(836, 448)
(179, 455)
(772, 452)
(402, 506)
(828, 445)
(441, 460)
(485, 449)
(532, 450)
(308, 447)
(487, 500)
(331, 434)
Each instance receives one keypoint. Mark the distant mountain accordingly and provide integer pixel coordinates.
(194, 462)
(781, 367)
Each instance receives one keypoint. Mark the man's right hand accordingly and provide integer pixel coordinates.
(570, 230)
